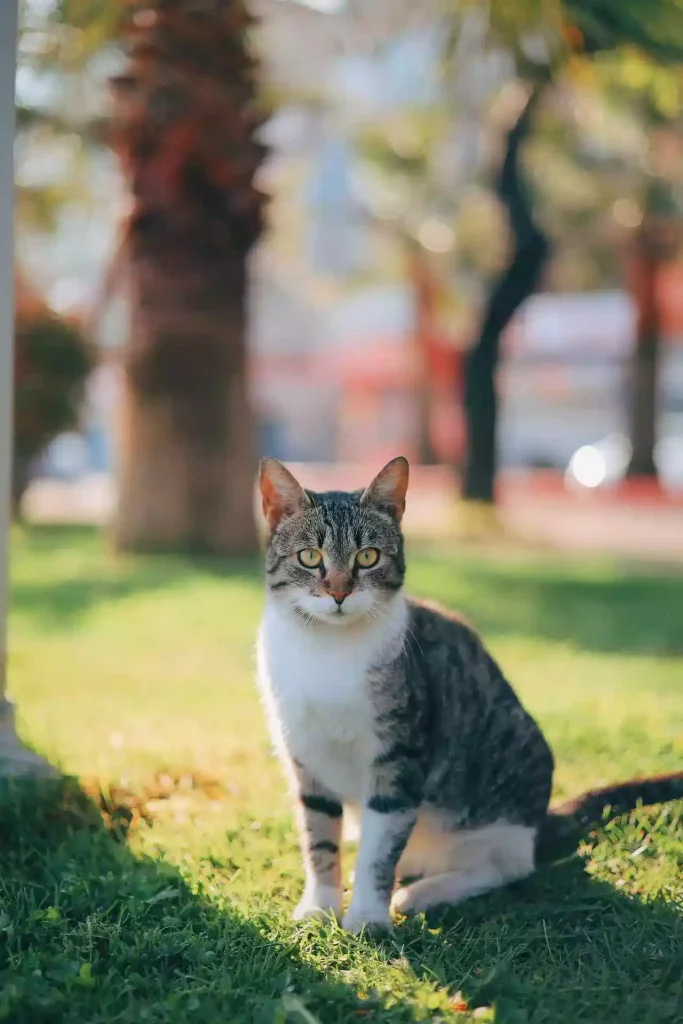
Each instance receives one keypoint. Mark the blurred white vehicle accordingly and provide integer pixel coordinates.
(605, 463)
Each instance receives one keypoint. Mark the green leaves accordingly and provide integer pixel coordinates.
(67, 32)
(653, 26)
(52, 362)
(508, 22)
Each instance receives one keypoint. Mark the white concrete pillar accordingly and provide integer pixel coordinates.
(14, 758)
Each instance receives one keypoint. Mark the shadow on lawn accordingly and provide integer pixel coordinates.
(561, 948)
(625, 612)
(91, 933)
(62, 600)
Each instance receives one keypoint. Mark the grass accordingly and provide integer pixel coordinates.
(159, 887)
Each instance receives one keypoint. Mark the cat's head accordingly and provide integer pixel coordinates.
(334, 558)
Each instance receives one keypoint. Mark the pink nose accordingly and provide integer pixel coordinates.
(339, 595)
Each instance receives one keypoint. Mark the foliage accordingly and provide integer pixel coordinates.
(52, 362)
(59, 111)
(589, 147)
(589, 26)
(164, 892)
(66, 33)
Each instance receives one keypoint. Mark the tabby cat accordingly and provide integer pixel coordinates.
(391, 711)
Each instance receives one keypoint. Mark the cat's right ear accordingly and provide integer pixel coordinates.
(388, 489)
(281, 493)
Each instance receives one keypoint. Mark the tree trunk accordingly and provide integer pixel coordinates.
(21, 466)
(185, 455)
(518, 280)
(424, 295)
(644, 274)
(177, 493)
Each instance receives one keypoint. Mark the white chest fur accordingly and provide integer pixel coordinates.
(315, 684)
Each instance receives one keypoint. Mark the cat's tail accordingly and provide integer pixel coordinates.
(567, 823)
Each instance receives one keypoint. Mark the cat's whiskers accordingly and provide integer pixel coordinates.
(305, 618)
(376, 615)
(411, 632)
(384, 615)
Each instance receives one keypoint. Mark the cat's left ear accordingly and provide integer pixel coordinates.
(388, 489)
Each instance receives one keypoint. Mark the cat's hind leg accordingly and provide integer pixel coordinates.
(450, 888)
(469, 863)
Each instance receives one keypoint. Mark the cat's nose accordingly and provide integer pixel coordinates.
(340, 596)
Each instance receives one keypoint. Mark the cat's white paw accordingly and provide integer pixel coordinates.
(372, 919)
(318, 904)
(405, 901)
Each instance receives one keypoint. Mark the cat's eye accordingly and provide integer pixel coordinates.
(310, 558)
(367, 557)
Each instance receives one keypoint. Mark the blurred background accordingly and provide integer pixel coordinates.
(470, 253)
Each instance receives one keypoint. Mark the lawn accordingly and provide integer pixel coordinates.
(160, 888)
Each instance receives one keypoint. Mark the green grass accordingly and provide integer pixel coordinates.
(160, 888)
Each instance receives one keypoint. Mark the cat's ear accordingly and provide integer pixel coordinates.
(388, 489)
(281, 493)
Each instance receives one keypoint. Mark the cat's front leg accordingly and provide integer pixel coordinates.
(387, 819)
(319, 820)
(385, 829)
(395, 787)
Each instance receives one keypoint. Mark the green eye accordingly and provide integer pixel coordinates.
(367, 557)
(310, 558)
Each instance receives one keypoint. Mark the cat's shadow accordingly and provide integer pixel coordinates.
(561, 947)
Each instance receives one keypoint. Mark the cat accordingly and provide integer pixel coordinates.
(391, 710)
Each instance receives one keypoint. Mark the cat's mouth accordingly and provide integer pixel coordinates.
(338, 616)
(335, 615)
(323, 610)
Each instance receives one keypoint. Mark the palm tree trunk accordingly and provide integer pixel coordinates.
(518, 280)
(185, 454)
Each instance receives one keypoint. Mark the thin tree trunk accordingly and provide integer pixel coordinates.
(185, 455)
(21, 467)
(424, 295)
(530, 249)
(645, 267)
